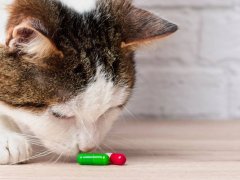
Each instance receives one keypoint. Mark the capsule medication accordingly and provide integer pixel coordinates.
(93, 159)
(101, 159)
(118, 159)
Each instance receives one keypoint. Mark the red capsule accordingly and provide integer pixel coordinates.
(118, 159)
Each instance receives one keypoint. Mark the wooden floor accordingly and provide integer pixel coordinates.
(164, 150)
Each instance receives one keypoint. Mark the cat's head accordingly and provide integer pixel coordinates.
(67, 74)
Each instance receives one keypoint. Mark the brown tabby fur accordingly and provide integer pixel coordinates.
(87, 41)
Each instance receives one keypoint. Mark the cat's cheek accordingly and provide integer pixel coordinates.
(56, 135)
(67, 149)
(106, 121)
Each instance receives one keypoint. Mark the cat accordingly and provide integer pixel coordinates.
(66, 74)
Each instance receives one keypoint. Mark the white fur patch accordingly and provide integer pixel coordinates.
(98, 97)
(4, 17)
(81, 6)
(93, 111)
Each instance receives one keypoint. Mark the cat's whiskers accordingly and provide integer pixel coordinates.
(34, 141)
(58, 158)
(39, 155)
(130, 113)
(108, 147)
(25, 135)
(118, 140)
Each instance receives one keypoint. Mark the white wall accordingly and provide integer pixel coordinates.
(3, 18)
(196, 72)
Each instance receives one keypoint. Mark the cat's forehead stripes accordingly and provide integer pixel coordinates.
(81, 6)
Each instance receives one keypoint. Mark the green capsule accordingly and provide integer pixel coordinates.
(93, 159)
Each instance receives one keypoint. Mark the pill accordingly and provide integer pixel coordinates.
(118, 159)
(93, 159)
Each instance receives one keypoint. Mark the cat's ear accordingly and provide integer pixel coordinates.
(29, 41)
(27, 32)
(141, 27)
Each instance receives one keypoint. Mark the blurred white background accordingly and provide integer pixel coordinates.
(194, 74)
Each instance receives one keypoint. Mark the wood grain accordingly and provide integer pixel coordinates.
(164, 150)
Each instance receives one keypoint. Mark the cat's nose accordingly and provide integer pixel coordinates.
(87, 149)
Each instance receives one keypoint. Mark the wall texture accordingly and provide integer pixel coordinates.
(194, 73)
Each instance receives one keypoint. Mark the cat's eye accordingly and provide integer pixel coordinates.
(60, 116)
(121, 107)
(57, 115)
